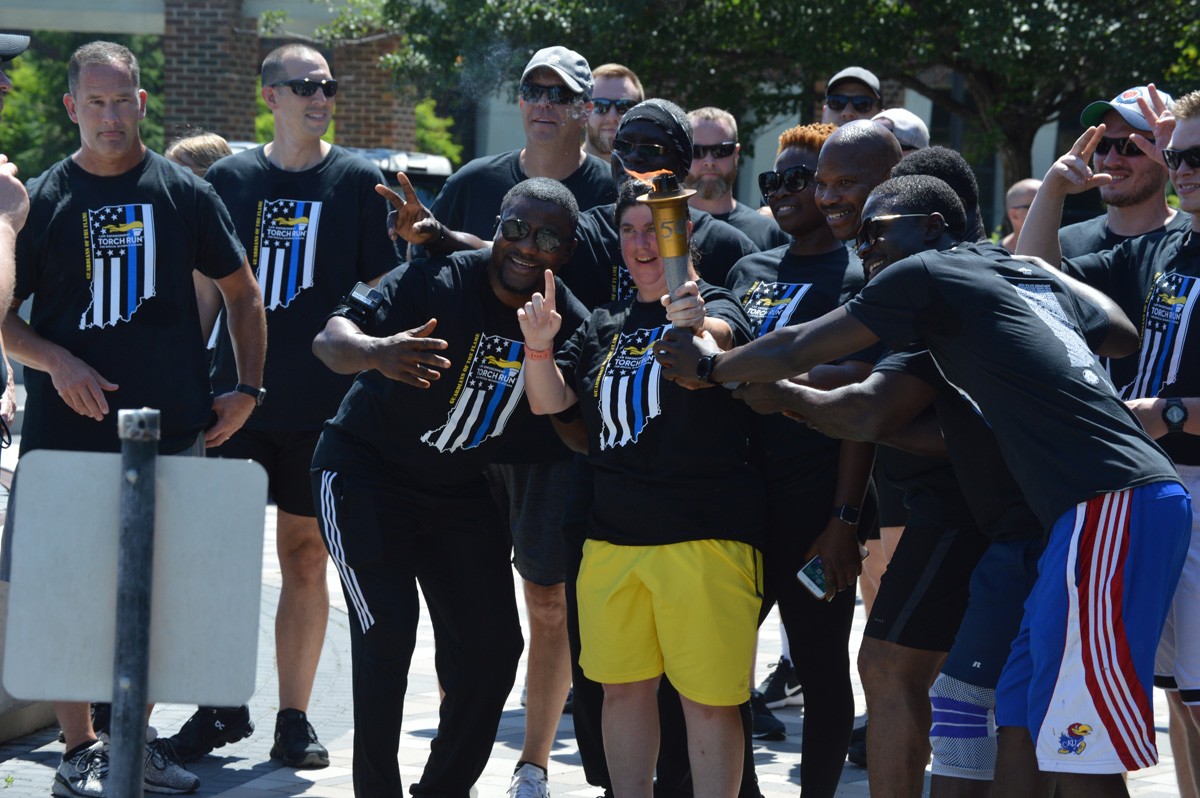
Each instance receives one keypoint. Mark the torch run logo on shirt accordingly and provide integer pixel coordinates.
(121, 252)
(489, 389)
(1164, 334)
(629, 389)
(285, 249)
(771, 305)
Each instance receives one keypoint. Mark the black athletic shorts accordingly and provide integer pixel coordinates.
(286, 455)
(923, 593)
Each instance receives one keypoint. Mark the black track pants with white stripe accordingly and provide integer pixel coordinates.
(383, 547)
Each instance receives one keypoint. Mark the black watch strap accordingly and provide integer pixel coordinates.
(1175, 414)
(704, 368)
(847, 514)
(258, 393)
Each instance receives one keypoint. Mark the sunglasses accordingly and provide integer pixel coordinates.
(794, 179)
(861, 103)
(722, 150)
(305, 87)
(515, 230)
(601, 106)
(1190, 156)
(868, 234)
(625, 147)
(557, 95)
(1124, 147)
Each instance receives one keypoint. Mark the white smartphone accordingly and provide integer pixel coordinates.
(812, 576)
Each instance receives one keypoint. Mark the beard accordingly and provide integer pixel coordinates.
(1134, 190)
(710, 186)
(601, 141)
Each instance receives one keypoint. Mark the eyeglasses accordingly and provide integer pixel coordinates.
(557, 95)
(1174, 158)
(722, 150)
(304, 87)
(794, 179)
(601, 106)
(1124, 147)
(515, 230)
(861, 102)
(625, 147)
(868, 234)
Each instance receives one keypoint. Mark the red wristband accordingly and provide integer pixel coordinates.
(537, 354)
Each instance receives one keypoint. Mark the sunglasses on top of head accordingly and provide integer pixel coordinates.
(514, 230)
(794, 179)
(306, 87)
(861, 102)
(601, 106)
(556, 95)
(1124, 147)
(1175, 158)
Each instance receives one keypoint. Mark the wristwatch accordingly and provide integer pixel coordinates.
(704, 368)
(258, 393)
(847, 514)
(1175, 414)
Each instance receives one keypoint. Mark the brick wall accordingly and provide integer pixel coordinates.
(371, 110)
(211, 65)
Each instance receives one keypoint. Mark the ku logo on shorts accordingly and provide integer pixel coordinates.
(1072, 740)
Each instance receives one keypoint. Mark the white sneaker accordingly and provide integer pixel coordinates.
(164, 773)
(529, 782)
(83, 774)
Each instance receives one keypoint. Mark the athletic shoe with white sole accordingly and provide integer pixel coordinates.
(765, 725)
(83, 773)
(528, 781)
(209, 728)
(296, 743)
(164, 772)
(781, 688)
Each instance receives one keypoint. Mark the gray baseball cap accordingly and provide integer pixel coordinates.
(1125, 104)
(12, 45)
(864, 76)
(568, 64)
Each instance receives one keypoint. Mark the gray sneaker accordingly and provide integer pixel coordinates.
(164, 773)
(83, 774)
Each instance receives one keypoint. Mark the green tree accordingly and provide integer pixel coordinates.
(1023, 63)
(35, 131)
(433, 132)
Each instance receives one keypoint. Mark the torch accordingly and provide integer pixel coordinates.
(669, 209)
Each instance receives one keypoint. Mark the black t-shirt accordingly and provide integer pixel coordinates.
(764, 231)
(596, 273)
(1093, 235)
(670, 464)
(1154, 279)
(109, 263)
(980, 476)
(470, 200)
(779, 289)
(1011, 339)
(310, 237)
(443, 435)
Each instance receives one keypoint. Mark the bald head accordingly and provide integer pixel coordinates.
(1021, 192)
(856, 158)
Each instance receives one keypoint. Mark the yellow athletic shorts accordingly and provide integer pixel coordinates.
(687, 609)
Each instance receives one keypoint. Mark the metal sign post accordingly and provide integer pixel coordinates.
(139, 433)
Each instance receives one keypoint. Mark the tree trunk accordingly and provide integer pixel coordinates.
(1016, 153)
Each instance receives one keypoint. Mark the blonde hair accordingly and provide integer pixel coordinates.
(711, 114)
(1187, 106)
(620, 71)
(197, 150)
(809, 138)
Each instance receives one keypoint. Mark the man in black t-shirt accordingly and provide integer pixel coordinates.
(308, 215)
(1135, 200)
(114, 322)
(399, 476)
(1013, 343)
(715, 154)
(1153, 278)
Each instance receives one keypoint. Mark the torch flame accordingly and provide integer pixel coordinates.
(648, 177)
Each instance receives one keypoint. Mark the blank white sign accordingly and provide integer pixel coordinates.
(205, 600)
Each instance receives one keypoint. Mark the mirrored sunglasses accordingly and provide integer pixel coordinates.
(514, 230)
(556, 95)
(601, 106)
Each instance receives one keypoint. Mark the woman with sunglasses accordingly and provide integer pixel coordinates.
(670, 580)
(815, 484)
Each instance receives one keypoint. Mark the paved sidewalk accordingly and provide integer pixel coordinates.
(244, 769)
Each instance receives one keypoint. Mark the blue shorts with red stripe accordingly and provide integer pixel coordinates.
(1081, 671)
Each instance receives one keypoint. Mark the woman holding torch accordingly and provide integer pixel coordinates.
(671, 580)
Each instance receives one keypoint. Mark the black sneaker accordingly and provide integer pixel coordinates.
(766, 725)
(857, 754)
(296, 743)
(209, 728)
(782, 688)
